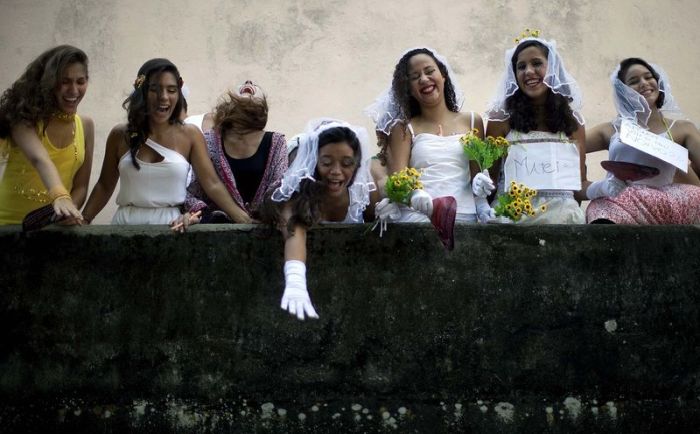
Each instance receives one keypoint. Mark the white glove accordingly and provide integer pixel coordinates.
(422, 202)
(482, 185)
(386, 211)
(296, 299)
(484, 212)
(608, 187)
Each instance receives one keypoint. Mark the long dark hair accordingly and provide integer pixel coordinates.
(627, 63)
(306, 203)
(400, 85)
(31, 98)
(136, 105)
(523, 116)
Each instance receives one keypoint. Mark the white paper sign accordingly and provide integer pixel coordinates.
(654, 145)
(544, 166)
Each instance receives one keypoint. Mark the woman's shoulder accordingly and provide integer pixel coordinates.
(119, 129)
(683, 125)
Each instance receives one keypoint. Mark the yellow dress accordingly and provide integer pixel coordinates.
(21, 189)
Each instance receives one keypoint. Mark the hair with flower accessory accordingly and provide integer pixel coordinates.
(139, 81)
(136, 104)
(564, 101)
(299, 183)
(631, 105)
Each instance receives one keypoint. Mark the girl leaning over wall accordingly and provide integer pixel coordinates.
(45, 146)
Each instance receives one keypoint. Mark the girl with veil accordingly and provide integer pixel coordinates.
(419, 124)
(537, 109)
(643, 99)
(329, 181)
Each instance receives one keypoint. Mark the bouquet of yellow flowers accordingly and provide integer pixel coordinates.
(517, 202)
(400, 185)
(484, 152)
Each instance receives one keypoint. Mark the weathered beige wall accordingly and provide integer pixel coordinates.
(331, 57)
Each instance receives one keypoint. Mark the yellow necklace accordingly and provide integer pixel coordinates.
(668, 129)
(66, 117)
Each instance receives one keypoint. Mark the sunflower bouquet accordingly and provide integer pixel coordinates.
(401, 184)
(517, 202)
(484, 151)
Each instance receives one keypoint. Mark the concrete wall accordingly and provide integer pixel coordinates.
(519, 329)
(332, 57)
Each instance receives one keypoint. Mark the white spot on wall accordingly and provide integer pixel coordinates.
(612, 410)
(505, 410)
(573, 406)
(611, 325)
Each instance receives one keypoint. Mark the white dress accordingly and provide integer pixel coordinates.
(561, 206)
(154, 193)
(445, 172)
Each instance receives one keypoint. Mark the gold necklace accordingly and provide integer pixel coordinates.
(66, 117)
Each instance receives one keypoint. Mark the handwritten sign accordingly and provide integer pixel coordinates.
(654, 145)
(544, 166)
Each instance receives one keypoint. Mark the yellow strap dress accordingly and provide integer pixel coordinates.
(21, 189)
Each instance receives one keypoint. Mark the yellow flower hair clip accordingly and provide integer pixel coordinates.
(528, 33)
(139, 81)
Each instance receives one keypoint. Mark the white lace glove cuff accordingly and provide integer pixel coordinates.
(608, 187)
(482, 185)
(422, 202)
(296, 299)
(385, 212)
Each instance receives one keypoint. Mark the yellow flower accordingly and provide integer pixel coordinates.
(543, 208)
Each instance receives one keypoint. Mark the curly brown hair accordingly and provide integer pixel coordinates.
(409, 106)
(242, 114)
(523, 116)
(31, 98)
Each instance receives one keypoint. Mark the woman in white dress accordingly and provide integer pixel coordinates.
(329, 181)
(420, 116)
(643, 99)
(536, 109)
(152, 153)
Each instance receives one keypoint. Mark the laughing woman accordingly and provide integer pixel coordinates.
(45, 145)
(419, 124)
(328, 182)
(152, 153)
(643, 97)
(537, 110)
(248, 159)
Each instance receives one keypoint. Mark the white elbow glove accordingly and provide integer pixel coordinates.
(608, 187)
(482, 185)
(386, 211)
(484, 212)
(422, 202)
(296, 299)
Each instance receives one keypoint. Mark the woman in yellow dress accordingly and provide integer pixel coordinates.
(45, 147)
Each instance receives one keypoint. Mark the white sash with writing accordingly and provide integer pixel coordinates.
(633, 135)
(544, 165)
